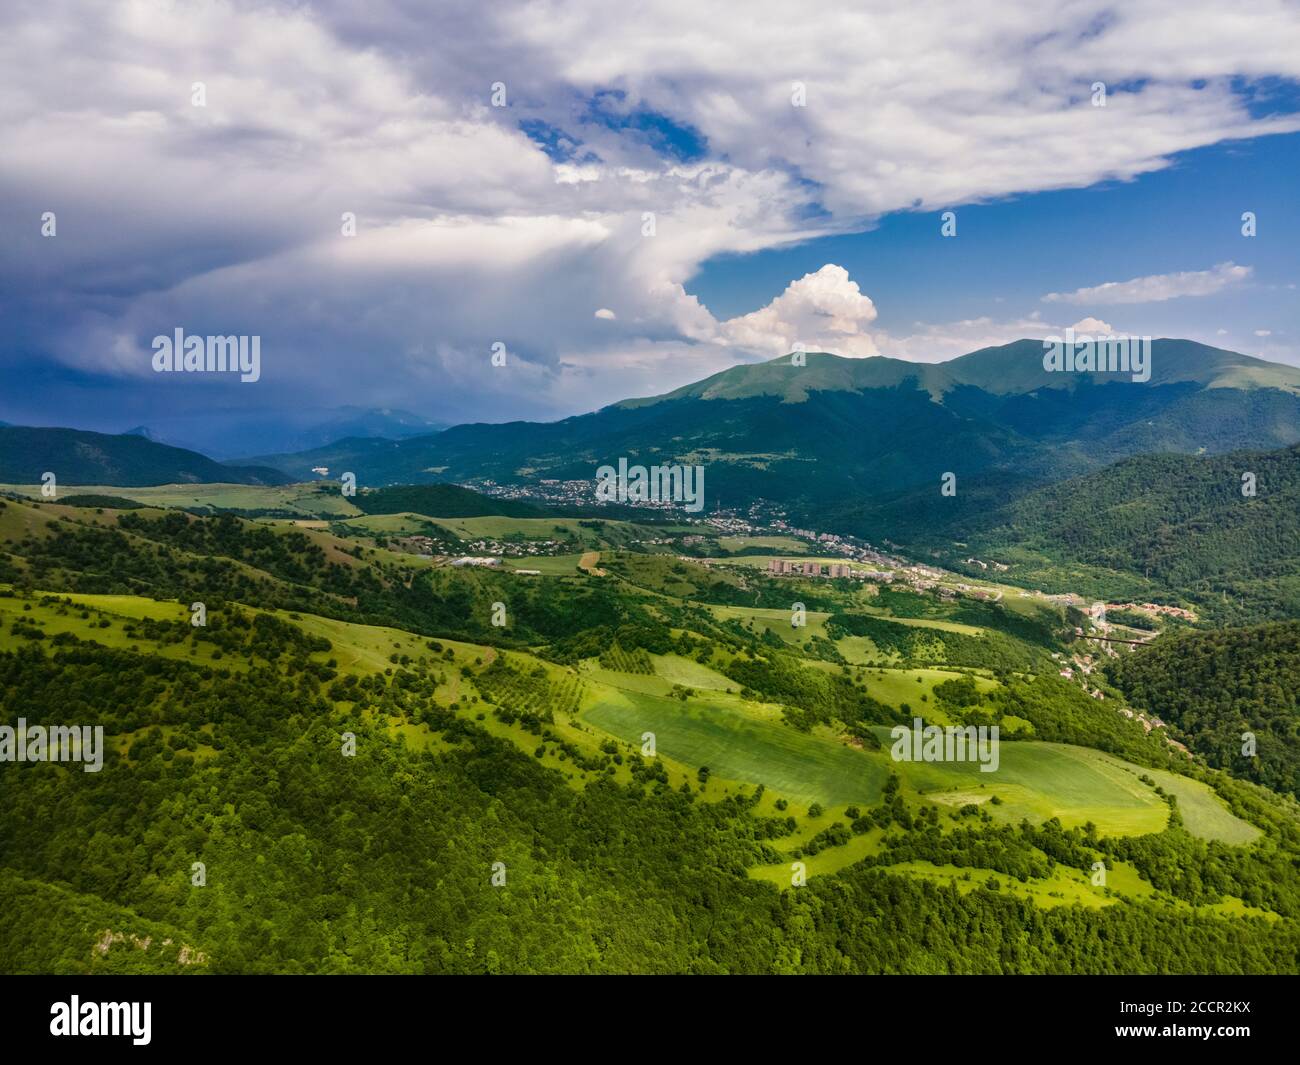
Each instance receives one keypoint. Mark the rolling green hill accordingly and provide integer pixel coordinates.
(78, 457)
(617, 775)
(441, 501)
(225, 749)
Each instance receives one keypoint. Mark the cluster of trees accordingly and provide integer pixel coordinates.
(617, 658)
(524, 689)
(780, 677)
(441, 501)
(1023, 852)
(1062, 713)
(927, 646)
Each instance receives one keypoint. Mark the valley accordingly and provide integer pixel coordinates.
(780, 730)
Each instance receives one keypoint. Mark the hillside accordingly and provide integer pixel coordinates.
(1176, 526)
(1216, 687)
(518, 750)
(382, 862)
(78, 457)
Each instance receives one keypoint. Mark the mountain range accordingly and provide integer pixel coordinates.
(230, 434)
(861, 444)
(856, 435)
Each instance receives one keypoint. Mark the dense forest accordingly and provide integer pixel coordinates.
(1219, 531)
(1233, 693)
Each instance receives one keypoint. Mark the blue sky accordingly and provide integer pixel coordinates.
(622, 201)
(1008, 254)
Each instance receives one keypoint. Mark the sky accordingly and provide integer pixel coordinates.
(619, 199)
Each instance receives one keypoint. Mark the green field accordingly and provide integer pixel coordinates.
(116, 611)
(788, 544)
(305, 499)
(746, 743)
(548, 565)
(800, 549)
(1038, 781)
(496, 527)
(775, 621)
(929, 623)
(894, 687)
(831, 860)
(356, 648)
(1066, 886)
(1079, 784)
(898, 686)
(689, 673)
(739, 746)
(129, 606)
(589, 535)
(1203, 811)
(392, 524)
(856, 649)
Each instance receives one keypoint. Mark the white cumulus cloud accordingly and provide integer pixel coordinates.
(822, 311)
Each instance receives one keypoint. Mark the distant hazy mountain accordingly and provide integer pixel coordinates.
(346, 422)
(839, 437)
(304, 430)
(232, 435)
(129, 460)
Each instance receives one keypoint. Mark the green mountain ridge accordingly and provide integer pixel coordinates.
(1007, 369)
(837, 430)
(76, 456)
(1232, 692)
